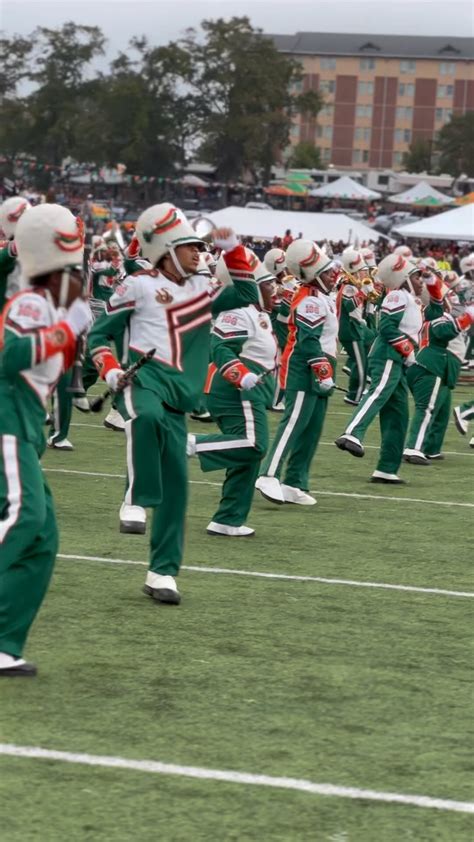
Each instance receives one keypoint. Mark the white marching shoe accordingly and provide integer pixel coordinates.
(296, 495)
(132, 519)
(82, 404)
(388, 479)
(64, 444)
(11, 666)
(351, 444)
(114, 421)
(415, 457)
(462, 426)
(161, 588)
(214, 528)
(191, 445)
(270, 488)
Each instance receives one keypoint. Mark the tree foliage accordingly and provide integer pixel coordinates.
(224, 90)
(418, 157)
(455, 145)
(305, 156)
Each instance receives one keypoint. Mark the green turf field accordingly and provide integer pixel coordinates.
(362, 687)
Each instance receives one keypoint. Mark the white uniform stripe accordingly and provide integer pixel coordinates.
(360, 369)
(11, 469)
(428, 415)
(286, 435)
(249, 421)
(249, 441)
(235, 777)
(373, 397)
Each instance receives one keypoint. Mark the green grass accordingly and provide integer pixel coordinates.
(337, 684)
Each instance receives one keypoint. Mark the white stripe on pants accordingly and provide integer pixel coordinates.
(372, 398)
(428, 414)
(273, 467)
(9, 447)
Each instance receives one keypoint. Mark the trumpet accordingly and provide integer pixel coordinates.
(371, 294)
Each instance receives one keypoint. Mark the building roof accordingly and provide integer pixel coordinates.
(443, 47)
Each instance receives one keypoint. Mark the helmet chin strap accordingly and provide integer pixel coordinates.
(64, 288)
(177, 264)
(409, 286)
(321, 283)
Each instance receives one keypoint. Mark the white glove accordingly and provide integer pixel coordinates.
(410, 360)
(112, 378)
(470, 311)
(79, 316)
(249, 380)
(326, 384)
(431, 280)
(226, 243)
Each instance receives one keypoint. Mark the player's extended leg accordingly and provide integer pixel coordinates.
(62, 413)
(238, 488)
(28, 541)
(301, 456)
(393, 429)
(439, 424)
(428, 393)
(386, 375)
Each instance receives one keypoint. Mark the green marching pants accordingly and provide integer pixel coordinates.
(432, 410)
(157, 471)
(62, 408)
(297, 438)
(357, 362)
(240, 450)
(28, 541)
(388, 398)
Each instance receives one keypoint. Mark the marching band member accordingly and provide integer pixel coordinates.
(307, 375)
(275, 261)
(351, 301)
(462, 415)
(35, 348)
(243, 353)
(392, 352)
(168, 309)
(11, 211)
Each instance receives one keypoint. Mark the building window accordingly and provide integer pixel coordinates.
(406, 89)
(382, 180)
(407, 66)
(443, 115)
(327, 86)
(406, 135)
(295, 130)
(364, 111)
(404, 113)
(327, 64)
(356, 156)
(326, 155)
(366, 88)
(447, 68)
(367, 64)
(362, 134)
(397, 159)
(327, 111)
(445, 91)
(402, 135)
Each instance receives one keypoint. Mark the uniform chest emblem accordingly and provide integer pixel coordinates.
(263, 324)
(163, 296)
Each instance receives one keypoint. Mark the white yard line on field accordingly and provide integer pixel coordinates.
(321, 443)
(233, 777)
(313, 491)
(282, 576)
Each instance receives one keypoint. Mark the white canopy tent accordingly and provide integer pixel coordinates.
(422, 194)
(266, 224)
(457, 224)
(344, 188)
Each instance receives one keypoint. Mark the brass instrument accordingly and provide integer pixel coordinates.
(347, 278)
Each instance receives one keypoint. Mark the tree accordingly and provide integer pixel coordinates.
(241, 88)
(455, 144)
(418, 157)
(305, 156)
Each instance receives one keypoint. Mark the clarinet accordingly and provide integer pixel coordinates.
(126, 378)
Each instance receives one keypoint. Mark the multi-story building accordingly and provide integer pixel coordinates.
(381, 92)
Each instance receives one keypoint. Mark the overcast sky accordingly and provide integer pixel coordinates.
(164, 21)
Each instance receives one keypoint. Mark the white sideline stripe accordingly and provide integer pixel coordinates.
(313, 491)
(230, 776)
(321, 443)
(284, 576)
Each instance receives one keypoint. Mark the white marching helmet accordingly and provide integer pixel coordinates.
(160, 230)
(369, 257)
(393, 271)
(275, 261)
(467, 263)
(353, 260)
(451, 279)
(307, 262)
(49, 238)
(10, 213)
(405, 251)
